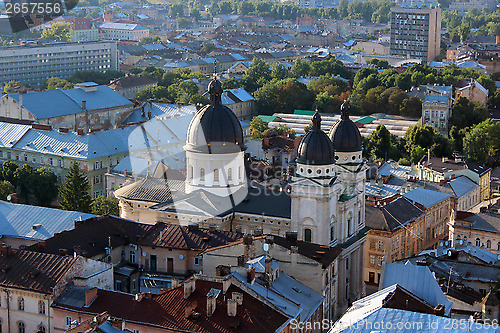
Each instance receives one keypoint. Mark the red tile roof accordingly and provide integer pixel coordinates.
(171, 311)
(79, 23)
(33, 271)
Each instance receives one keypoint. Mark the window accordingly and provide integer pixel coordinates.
(332, 233)
(372, 259)
(41, 307)
(191, 172)
(20, 304)
(380, 245)
(229, 174)
(132, 257)
(68, 321)
(239, 173)
(41, 160)
(380, 260)
(478, 242)
(307, 235)
(216, 175)
(202, 175)
(96, 165)
(51, 161)
(488, 244)
(59, 162)
(371, 277)
(20, 327)
(33, 159)
(196, 261)
(346, 264)
(41, 329)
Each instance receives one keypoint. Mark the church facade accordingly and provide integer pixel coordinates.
(323, 203)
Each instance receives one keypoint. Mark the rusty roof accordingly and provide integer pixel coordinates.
(171, 311)
(32, 271)
(93, 235)
(186, 237)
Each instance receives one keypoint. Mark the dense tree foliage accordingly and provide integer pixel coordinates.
(482, 143)
(74, 191)
(59, 31)
(105, 205)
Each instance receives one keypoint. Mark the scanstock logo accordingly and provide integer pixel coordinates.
(187, 180)
(19, 15)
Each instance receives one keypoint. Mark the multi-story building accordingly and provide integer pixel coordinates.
(83, 30)
(436, 112)
(437, 169)
(240, 101)
(416, 32)
(123, 31)
(472, 90)
(34, 64)
(130, 85)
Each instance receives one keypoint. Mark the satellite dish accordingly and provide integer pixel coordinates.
(449, 253)
(181, 256)
(498, 257)
(266, 247)
(144, 253)
(9, 198)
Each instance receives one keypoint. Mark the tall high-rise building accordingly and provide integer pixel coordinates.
(416, 32)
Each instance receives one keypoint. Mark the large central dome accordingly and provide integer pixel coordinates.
(344, 133)
(215, 128)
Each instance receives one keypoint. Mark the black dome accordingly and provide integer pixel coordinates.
(215, 128)
(344, 133)
(315, 148)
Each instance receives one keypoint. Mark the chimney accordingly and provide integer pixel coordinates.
(444, 159)
(225, 285)
(250, 275)
(294, 255)
(241, 261)
(211, 304)
(232, 307)
(63, 252)
(291, 236)
(268, 268)
(175, 283)
(143, 113)
(380, 182)
(4, 250)
(138, 297)
(90, 296)
(238, 297)
(84, 105)
(189, 287)
(247, 239)
(149, 115)
(21, 97)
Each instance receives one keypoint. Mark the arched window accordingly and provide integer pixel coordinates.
(41, 329)
(478, 242)
(332, 233)
(230, 174)
(202, 174)
(239, 173)
(307, 235)
(488, 244)
(41, 307)
(20, 327)
(191, 172)
(216, 175)
(20, 304)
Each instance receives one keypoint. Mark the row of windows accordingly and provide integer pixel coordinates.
(20, 305)
(216, 174)
(478, 242)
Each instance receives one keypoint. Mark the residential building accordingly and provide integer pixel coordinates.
(83, 30)
(373, 47)
(436, 112)
(34, 64)
(31, 281)
(462, 7)
(23, 225)
(435, 169)
(87, 107)
(197, 305)
(472, 90)
(241, 103)
(130, 85)
(480, 230)
(315, 266)
(123, 31)
(416, 32)
(280, 150)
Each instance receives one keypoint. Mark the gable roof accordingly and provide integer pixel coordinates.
(399, 213)
(92, 236)
(131, 81)
(35, 223)
(33, 271)
(151, 189)
(426, 198)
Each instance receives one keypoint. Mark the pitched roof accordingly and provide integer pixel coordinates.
(35, 223)
(400, 212)
(168, 309)
(151, 189)
(92, 236)
(130, 81)
(122, 26)
(186, 237)
(33, 271)
(426, 198)
(462, 185)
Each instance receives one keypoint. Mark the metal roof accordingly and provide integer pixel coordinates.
(426, 198)
(462, 185)
(122, 26)
(10, 134)
(35, 223)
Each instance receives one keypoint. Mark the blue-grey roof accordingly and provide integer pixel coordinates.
(462, 185)
(159, 110)
(436, 98)
(57, 102)
(153, 47)
(426, 198)
(416, 279)
(11, 133)
(411, 322)
(122, 26)
(242, 94)
(35, 223)
(259, 264)
(381, 191)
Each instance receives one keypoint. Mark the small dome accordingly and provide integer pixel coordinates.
(315, 148)
(344, 133)
(215, 128)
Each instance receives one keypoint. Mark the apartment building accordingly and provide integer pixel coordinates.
(416, 32)
(124, 31)
(83, 30)
(33, 64)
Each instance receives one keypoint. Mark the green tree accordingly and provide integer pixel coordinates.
(44, 186)
(300, 68)
(258, 127)
(257, 75)
(231, 83)
(102, 205)
(24, 180)
(278, 71)
(383, 145)
(55, 82)
(11, 85)
(6, 188)
(9, 172)
(467, 113)
(58, 31)
(208, 47)
(482, 143)
(74, 191)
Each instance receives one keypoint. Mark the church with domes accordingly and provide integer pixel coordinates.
(323, 202)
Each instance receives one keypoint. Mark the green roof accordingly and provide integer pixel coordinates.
(267, 119)
(365, 120)
(304, 112)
